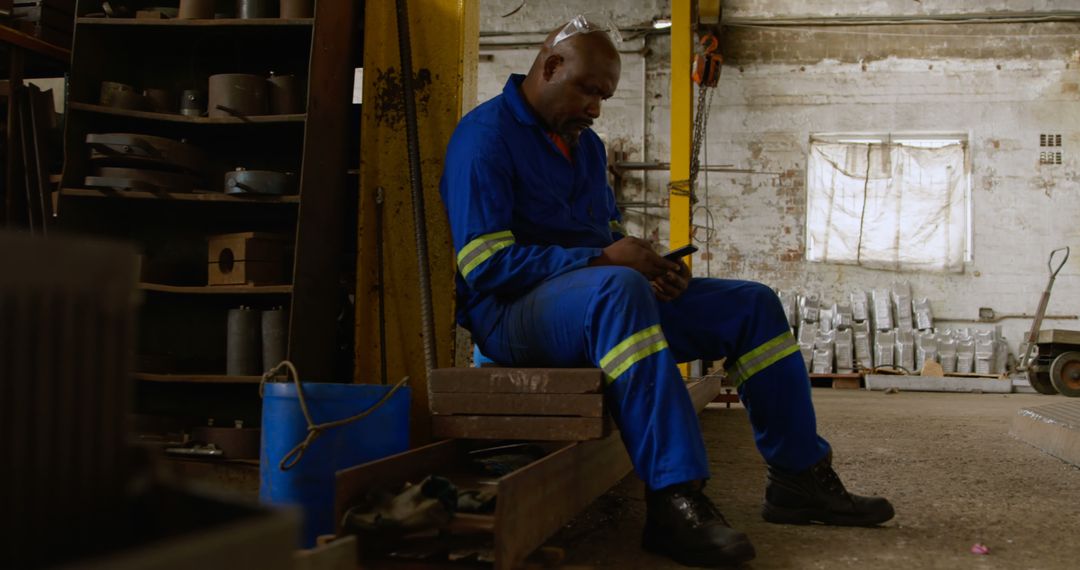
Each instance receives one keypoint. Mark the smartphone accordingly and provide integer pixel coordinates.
(680, 252)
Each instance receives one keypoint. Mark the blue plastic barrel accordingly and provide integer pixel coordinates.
(310, 483)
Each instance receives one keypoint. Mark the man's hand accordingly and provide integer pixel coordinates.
(671, 284)
(636, 254)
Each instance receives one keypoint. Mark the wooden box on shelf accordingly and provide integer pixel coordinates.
(247, 258)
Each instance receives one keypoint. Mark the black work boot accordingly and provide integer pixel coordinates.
(818, 495)
(684, 525)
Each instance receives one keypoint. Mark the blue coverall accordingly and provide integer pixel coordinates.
(526, 222)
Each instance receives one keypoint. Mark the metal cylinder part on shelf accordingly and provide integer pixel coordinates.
(256, 8)
(196, 10)
(160, 100)
(129, 100)
(192, 103)
(275, 326)
(236, 94)
(285, 95)
(297, 8)
(243, 351)
(241, 181)
(109, 90)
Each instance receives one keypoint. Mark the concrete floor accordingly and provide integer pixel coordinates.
(946, 461)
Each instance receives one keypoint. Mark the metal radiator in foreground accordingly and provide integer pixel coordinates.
(66, 343)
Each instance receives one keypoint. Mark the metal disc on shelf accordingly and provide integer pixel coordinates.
(138, 149)
(1065, 373)
(140, 179)
(241, 181)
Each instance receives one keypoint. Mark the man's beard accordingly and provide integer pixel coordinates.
(570, 138)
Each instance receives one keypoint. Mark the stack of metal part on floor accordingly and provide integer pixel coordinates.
(889, 328)
(66, 334)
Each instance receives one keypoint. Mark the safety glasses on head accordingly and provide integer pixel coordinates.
(581, 25)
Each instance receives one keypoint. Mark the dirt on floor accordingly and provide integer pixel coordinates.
(946, 461)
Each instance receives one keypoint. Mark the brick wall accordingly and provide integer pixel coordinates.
(1000, 84)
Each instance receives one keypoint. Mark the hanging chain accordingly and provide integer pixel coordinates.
(701, 119)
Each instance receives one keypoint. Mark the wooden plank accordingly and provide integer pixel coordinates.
(846, 384)
(218, 289)
(585, 405)
(537, 428)
(197, 196)
(704, 391)
(178, 118)
(12, 171)
(338, 554)
(972, 375)
(518, 380)
(538, 499)
(17, 39)
(1059, 336)
(321, 218)
(178, 23)
(198, 378)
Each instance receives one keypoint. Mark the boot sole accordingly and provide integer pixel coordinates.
(733, 555)
(783, 515)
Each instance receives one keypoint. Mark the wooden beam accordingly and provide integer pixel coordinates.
(320, 219)
(538, 428)
(23, 41)
(498, 380)
(444, 39)
(538, 499)
(583, 405)
(534, 501)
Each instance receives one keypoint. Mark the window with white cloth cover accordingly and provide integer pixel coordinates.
(888, 202)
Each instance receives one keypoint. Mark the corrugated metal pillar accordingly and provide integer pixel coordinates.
(445, 39)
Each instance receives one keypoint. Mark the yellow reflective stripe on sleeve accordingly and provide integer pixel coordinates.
(617, 227)
(763, 357)
(632, 350)
(478, 250)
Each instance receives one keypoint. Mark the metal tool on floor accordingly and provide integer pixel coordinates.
(1035, 361)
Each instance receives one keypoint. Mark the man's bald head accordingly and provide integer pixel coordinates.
(571, 76)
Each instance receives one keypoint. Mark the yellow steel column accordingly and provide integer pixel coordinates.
(682, 122)
(444, 38)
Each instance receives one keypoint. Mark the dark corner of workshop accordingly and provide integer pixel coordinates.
(516, 284)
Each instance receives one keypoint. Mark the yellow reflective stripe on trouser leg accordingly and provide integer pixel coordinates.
(476, 251)
(632, 350)
(763, 357)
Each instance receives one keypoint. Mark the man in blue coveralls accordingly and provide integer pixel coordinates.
(547, 277)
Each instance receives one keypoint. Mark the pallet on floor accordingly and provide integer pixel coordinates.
(938, 383)
(840, 381)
